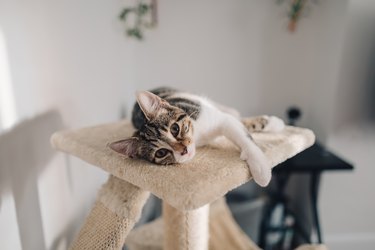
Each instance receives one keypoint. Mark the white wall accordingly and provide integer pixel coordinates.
(72, 55)
(73, 48)
(69, 55)
(240, 53)
(347, 202)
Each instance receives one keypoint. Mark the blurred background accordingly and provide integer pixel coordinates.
(75, 57)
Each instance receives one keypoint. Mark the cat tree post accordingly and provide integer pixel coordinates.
(185, 229)
(186, 189)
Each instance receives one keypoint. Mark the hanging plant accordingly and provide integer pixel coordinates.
(295, 13)
(296, 9)
(138, 18)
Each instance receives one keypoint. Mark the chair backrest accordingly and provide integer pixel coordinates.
(24, 152)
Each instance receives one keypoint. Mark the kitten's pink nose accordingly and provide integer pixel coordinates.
(184, 152)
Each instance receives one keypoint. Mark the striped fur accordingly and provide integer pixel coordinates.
(170, 124)
(155, 139)
(190, 107)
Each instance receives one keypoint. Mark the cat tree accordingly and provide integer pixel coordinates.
(187, 190)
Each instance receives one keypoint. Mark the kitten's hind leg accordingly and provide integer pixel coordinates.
(264, 123)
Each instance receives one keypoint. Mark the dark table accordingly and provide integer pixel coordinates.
(312, 161)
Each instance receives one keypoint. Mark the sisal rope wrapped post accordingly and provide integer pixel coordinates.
(185, 229)
(224, 232)
(116, 210)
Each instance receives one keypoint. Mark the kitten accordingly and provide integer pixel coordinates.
(171, 124)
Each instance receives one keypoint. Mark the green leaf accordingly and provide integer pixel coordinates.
(125, 12)
(135, 32)
(143, 9)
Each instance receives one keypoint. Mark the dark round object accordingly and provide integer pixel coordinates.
(294, 114)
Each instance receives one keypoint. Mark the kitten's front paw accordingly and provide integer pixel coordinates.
(259, 167)
(264, 123)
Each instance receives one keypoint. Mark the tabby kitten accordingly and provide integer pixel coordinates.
(171, 124)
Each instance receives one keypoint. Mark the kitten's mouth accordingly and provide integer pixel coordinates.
(187, 154)
(184, 152)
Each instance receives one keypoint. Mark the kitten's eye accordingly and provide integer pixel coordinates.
(175, 129)
(161, 153)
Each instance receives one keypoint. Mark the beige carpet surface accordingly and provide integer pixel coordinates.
(215, 170)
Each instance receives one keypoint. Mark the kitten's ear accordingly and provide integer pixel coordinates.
(128, 147)
(150, 103)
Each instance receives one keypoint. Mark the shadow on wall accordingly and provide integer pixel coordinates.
(356, 90)
(370, 83)
(25, 151)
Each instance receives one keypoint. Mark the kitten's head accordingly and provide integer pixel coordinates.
(165, 138)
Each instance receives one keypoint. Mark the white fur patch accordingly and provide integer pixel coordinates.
(214, 122)
(275, 124)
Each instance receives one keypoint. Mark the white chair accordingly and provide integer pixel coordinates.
(24, 153)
